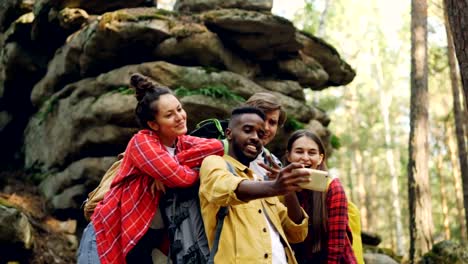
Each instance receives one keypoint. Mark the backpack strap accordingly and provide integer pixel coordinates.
(223, 211)
(226, 150)
(217, 124)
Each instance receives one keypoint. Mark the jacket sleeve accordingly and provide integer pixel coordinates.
(148, 155)
(217, 184)
(337, 221)
(295, 233)
(195, 149)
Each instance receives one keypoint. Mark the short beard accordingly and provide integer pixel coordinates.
(240, 156)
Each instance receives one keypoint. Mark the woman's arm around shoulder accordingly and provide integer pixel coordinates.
(194, 149)
(149, 155)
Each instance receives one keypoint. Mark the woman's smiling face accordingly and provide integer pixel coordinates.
(170, 120)
(305, 151)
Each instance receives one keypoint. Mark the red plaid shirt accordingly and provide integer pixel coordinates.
(339, 234)
(125, 213)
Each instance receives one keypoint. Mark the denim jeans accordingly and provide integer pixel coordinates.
(87, 252)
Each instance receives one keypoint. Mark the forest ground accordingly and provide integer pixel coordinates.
(54, 240)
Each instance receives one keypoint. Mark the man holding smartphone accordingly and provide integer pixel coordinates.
(258, 227)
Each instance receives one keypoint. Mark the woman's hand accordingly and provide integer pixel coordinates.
(157, 186)
(273, 170)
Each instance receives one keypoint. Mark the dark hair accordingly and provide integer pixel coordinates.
(314, 202)
(147, 92)
(247, 110)
(267, 102)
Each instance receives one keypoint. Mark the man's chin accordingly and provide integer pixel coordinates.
(251, 156)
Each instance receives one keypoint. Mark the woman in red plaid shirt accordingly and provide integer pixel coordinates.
(121, 226)
(329, 238)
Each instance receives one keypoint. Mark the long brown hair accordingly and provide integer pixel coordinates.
(313, 202)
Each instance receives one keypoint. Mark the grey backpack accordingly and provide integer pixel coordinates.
(182, 217)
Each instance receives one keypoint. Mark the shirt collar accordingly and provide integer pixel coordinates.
(236, 163)
(178, 145)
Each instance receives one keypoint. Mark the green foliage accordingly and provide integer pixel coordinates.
(35, 174)
(437, 61)
(125, 90)
(210, 69)
(164, 12)
(126, 16)
(6, 203)
(219, 91)
(335, 141)
(37, 177)
(292, 124)
(309, 17)
(49, 107)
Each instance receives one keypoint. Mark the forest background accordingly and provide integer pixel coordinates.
(371, 115)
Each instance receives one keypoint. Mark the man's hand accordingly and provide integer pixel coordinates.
(273, 170)
(289, 179)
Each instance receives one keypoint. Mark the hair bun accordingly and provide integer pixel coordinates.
(142, 84)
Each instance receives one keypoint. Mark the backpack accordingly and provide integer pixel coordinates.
(354, 222)
(182, 215)
(181, 211)
(98, 193)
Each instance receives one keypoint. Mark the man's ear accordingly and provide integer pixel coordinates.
(228, 133)
(153, 125)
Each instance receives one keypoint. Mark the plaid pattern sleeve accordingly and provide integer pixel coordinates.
(151, 157)
(339, 248)
(195, 149)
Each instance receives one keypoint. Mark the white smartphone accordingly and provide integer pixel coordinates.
(318, 180)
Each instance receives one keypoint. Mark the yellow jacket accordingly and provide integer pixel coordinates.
(244, 237)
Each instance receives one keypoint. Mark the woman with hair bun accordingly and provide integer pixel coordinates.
(127, 220)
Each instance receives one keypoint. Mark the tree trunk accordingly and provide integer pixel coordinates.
(450, 143)
(457, 12)
(419, 193)
(456, 23)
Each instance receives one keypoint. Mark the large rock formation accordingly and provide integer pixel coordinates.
(71, 98)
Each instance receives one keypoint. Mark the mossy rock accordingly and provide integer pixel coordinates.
(386, 251)
(446, 252)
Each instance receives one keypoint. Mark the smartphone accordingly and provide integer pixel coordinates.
(318, 180)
